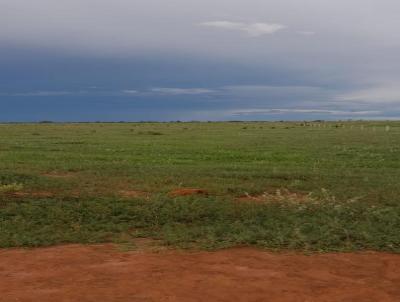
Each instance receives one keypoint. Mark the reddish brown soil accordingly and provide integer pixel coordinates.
(104, 273)
(187, 192)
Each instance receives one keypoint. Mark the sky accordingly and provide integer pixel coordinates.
(157, 60)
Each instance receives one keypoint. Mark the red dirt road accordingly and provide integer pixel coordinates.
(102, 273)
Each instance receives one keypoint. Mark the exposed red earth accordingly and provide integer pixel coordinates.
(105, 273)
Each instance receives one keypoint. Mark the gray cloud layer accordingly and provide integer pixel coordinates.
(348, 50)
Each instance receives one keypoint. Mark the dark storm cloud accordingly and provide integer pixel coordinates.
(187, 59)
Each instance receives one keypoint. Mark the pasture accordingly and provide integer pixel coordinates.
(321, 186)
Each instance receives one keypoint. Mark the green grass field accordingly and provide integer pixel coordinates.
(308, 186)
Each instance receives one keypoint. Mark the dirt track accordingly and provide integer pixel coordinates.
(102, 273)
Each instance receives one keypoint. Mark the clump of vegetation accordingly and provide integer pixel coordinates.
(12, 187)
(150, 133)
(46, 122)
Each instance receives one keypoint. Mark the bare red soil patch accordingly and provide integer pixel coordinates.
(103, 273)
(187, 192)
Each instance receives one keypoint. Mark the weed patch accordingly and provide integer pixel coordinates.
(204, 223)
(13, 187)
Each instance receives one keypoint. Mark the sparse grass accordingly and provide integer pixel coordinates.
(284, 166)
